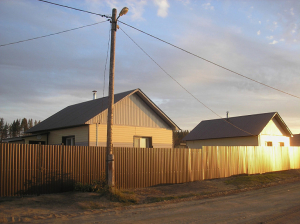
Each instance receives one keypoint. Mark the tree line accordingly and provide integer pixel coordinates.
(15, 129)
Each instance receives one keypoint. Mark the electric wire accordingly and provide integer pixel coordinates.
(178, 48)
(182, 85)
(76, 9)
(2, 45)
(210, 61)
(105, 67)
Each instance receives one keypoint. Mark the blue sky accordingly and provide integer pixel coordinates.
(259, 39)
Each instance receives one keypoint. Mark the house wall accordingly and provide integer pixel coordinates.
(274, 133)
(81, 135)
(123, 135)
(37, 138)
(132, 111)
(239, 141)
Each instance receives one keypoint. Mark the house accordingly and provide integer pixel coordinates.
(137, 122)
(295, 140)
(267, 129)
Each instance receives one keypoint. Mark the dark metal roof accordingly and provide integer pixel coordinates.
(219, 128)
(79, 114)
(295, 140)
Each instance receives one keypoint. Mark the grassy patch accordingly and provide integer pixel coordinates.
(113, 194)
(168, 198)
(119, 196)
(253, 180)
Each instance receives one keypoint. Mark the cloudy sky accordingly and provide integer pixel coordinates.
(258, 39)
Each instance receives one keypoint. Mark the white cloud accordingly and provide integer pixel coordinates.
(258, 32)
(282, 40)
(136, 9)
(292, 11)
(208, 6)
(163, 6)
(274, 42)
(259, 22)
(270, 37)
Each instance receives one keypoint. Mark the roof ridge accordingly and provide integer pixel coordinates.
(241, 116)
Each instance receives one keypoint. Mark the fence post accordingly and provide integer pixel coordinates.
(62, 168)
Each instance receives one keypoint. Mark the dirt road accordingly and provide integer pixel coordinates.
(277, 204)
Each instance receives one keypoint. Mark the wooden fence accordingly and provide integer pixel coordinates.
(37, 169)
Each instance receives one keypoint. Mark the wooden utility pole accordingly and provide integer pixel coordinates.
(110, 174)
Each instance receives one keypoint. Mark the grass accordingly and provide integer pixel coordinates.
(242, 181)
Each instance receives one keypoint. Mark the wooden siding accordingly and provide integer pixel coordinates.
(132, 111)
(123, 135)
(239, 141)
(81, 135)
(35, 169)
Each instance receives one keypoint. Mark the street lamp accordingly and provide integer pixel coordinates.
(110, 164)
(123, 12)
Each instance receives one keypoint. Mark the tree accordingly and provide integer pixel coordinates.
(24, 125)
(30, 123)
(5, 131)
(1, 128)
(178, 136)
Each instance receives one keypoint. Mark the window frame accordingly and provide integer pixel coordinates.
(69, 137)
(148, 141)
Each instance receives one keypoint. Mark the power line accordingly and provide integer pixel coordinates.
(182, 85)
(178, 48)
(76, 9)
(105, 67)
(51, 34)
(210, 61)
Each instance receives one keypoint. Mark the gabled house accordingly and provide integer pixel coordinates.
(267, 129)
(137, 122)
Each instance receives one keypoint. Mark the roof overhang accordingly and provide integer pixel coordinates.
(282, 124)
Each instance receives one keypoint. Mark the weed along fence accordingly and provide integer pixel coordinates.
(37, 169)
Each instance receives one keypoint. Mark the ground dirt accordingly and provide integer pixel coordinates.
(67, 207)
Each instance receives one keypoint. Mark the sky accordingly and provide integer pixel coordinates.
(258, 39)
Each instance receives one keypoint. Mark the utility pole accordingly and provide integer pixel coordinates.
(110, 163)
(110, 177)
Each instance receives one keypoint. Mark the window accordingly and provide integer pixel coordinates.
(281, 143)
(269, 144)
(37, 142)
(142, 142)
(68, 140)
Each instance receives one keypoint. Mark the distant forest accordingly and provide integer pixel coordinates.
(16, 129)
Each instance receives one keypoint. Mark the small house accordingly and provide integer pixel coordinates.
(267, 129)
(137, 122)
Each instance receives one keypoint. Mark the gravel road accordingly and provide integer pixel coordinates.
(278, 204)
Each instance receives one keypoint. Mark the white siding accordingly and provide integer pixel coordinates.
(239, 141)
(81, 135)
(273, 133)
